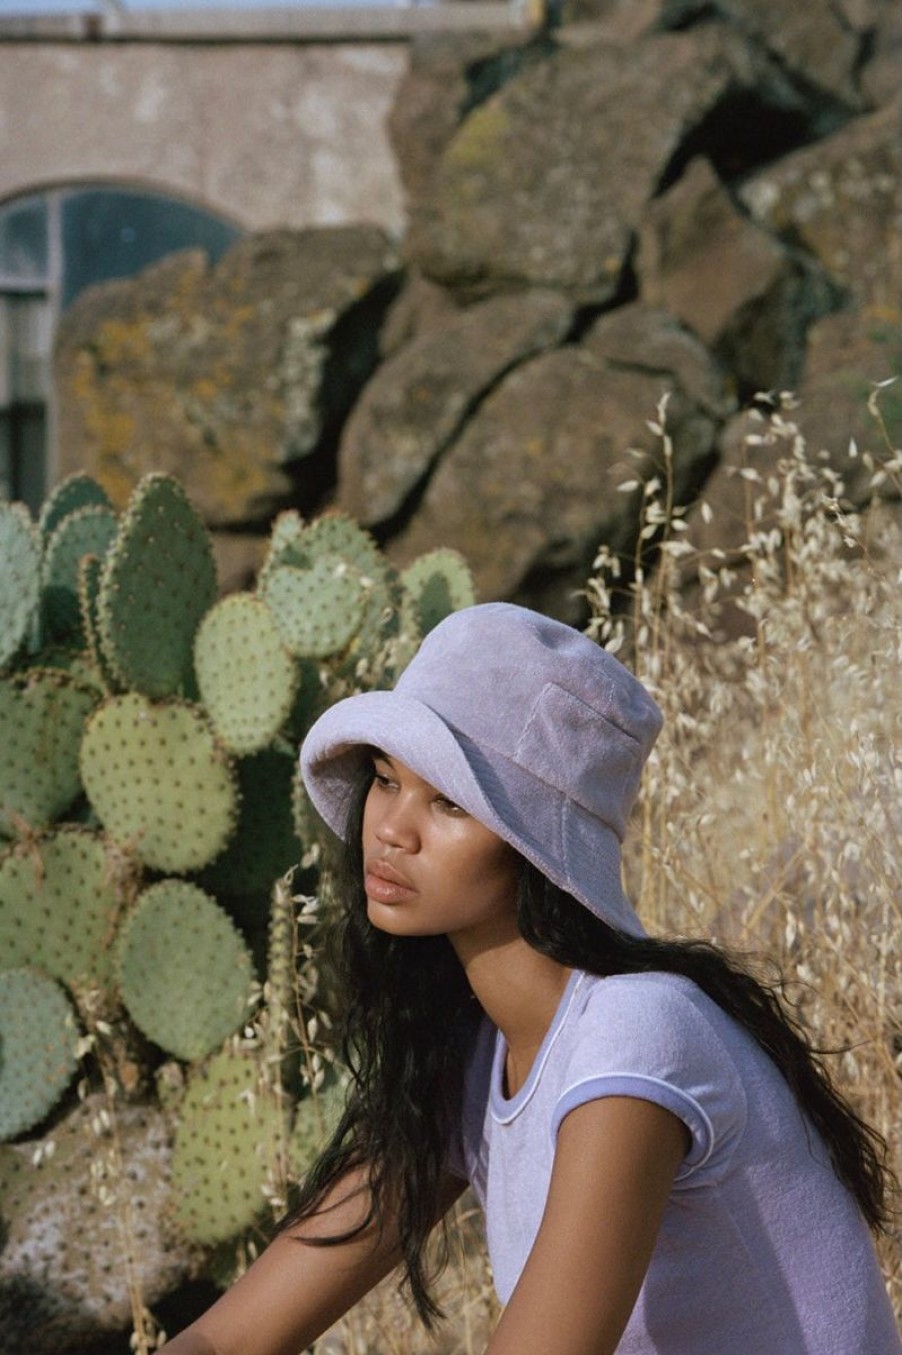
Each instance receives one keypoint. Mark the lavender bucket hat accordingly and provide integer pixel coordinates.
(526, 724)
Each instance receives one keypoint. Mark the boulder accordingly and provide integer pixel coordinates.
(418, 400)
(231, 377)
(816, 43)
(545, 183)
(531, 487)
(841, 200)
(747, 296)
(73, 1223)
(881, 76)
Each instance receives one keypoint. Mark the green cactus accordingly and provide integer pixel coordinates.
(38, 1037)
(247, 678)
(60, 897)
(20, 578)
(316, 1117)
(42, 715)
(158, 581)
(317, 609)
(74, 492)
(160, 781)
(184, 972)
(90, 572)
(434, 585)
(264, 844)
(229, 1137)
(86, 531)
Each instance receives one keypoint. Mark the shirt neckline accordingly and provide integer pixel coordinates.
(504, 1108)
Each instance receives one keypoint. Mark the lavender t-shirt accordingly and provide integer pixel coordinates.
(760, 1249)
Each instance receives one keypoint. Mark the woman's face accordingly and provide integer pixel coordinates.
(429, 867)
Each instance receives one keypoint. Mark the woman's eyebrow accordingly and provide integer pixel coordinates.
(378, 756)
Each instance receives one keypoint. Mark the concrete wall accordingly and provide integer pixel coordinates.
(266, 134)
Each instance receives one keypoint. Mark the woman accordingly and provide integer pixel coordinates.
(663, 1164)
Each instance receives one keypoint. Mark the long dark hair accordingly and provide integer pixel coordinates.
(408, 1025)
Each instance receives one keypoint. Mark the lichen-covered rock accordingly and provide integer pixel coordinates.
(747, 296)
(841, 200)
(545, 182)
(531, 486)
(73, 1212)
(225, 375)
(419, 399)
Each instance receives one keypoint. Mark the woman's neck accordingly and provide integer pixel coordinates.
(519, 989)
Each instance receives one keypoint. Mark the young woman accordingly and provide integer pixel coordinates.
(663, 1163)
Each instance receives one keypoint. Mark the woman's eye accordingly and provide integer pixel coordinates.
(381, 778)
(449, 805)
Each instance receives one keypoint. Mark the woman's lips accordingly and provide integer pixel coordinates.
(383, 884)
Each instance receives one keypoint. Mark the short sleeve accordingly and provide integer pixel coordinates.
(659, 1038)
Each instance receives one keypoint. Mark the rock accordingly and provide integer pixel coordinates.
(448, 76)
(841, 199)
(816, 44)
(881, 76)
(848, 354)
(747, 296)
(531, 487)
(418, 400)
(545, 183)
(63, 1276)
(227, 377)
(421, 305)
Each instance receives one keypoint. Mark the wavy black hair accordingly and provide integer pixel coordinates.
(410, 1019)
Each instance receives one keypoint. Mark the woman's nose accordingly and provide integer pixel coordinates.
(396, 826)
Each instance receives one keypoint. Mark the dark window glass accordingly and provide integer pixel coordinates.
(23, 239)
(109, 234)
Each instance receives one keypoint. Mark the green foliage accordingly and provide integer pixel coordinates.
(184, 971)
(38, 1038)
(434, 586)
(42, 716)
(264, 845)
(87, 531)
(158, 581)
(159, 780)
(230, 1131)
(20, 578)
(60, 898)
(318, 609)
(71, 494)
(246, 676)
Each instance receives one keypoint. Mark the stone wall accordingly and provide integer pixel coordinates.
(698, 199)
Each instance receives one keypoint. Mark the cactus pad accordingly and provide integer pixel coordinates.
(20, 578)
(38, 1036)
(87, 531)
(246, 676)
(42, 716)
(264, 844)
(184, 972)
(159, 580)
(226, 1144)
(160, 781)
(317, 610)
(59, 899)
(315, 1120)
(74, 492)
(434, 586)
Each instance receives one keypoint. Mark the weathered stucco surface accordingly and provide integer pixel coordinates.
(288, 135)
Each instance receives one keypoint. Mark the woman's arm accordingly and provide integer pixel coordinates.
(295, 1292)
(614, 1166)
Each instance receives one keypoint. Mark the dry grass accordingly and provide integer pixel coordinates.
(771, 816)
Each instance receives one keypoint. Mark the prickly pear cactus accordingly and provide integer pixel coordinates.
(42, 717)
(60, 899)
(160, 781)
(38, 1037)
(230, 1133)
(87, 531)
(246, 676)
(184, 972)
(68, 496)
(20, 578)
(319, 609)
(159, 580)
(434, 585)
(264, 845)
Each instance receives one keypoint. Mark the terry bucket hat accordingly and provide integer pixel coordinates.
(525, 723)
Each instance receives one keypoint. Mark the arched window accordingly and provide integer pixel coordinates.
(52, 246)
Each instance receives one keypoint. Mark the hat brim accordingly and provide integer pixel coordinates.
(585, 862)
